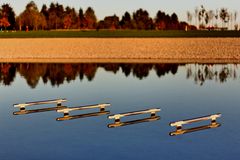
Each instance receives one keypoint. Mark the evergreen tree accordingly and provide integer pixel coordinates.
(91, 18)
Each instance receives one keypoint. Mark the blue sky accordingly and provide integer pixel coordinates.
(109, 7)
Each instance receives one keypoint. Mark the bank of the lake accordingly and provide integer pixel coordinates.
(217, 50)
(119, 34)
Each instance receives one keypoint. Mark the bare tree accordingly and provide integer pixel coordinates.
(216, 18)
(189, 17)
(224, 15)
(211, 16)
(235, 20)
(202, 16)
(196, 15)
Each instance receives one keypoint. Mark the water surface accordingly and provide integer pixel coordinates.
(182, 91)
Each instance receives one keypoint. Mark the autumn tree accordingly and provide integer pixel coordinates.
(8, 16)
(91, 18)
(70, 18)
(4, 22)
(126, 21)
(67, 21)
(173, 24)
(44, 12)
(82, 20)
(55, 16)
(111, 22)
(32, 18)
(142, 20)
(160, 20)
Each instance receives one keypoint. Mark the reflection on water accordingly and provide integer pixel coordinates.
(118, 123)
(57, 74)
(66, 116)
(22, 106)
(94, 114)
(128, 87)
(179, 124)
(195, 129)
(204, 72)
(21, 112)
(62, 109)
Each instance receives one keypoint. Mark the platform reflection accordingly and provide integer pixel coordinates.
(22, 112)
(67, 116)
(22, 106)
(120, 124)
(94, 114)
(195, 129)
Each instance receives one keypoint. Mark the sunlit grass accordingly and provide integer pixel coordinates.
(117, 34)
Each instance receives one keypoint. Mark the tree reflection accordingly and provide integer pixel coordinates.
(88, 70)
(57, 74)
(203, 72)
(7, 73)
(141, 70)
(32, 73)
(162, 69)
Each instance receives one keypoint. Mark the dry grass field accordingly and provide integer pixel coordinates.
(170, 50)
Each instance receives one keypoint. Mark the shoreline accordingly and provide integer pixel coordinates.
(145, 61)
(124, 50)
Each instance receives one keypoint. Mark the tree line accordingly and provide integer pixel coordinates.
(56, 16)
(205, 18)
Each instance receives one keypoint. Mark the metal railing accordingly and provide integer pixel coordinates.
(179, 124)
(23, 105)
(120, 115)
(195, 129)
(66, 111)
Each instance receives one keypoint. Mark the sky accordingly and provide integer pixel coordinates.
(119, 7)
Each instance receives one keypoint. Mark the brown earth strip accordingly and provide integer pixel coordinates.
(146, 50)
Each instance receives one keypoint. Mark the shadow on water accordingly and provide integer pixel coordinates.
(58, 74)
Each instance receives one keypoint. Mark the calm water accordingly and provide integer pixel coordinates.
(181, 91)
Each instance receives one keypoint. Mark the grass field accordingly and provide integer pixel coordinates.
(117, 34)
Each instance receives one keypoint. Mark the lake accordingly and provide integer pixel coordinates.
(181, 91)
